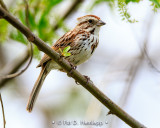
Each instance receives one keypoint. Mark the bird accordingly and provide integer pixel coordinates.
(82, 40)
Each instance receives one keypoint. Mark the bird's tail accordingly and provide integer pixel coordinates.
(37, 86)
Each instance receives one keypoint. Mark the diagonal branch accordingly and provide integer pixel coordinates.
(11, 71)
(67, 67)
(13, 75)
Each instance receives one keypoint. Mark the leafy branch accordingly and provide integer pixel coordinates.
(27, 12)
(122, 7)
(124, 11)
(30, 49)
(114, 109)
(155, 4)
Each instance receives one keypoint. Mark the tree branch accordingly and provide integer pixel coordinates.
(67, 67)
(16, 64)
(4, 120)
(2, 57)
(13, 75)
(3, 5)
(8, 76)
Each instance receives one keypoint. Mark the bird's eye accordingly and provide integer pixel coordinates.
(90, 21)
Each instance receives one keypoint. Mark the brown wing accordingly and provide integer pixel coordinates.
(66, 40)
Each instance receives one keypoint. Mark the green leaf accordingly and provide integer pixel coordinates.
(22, 16)
(44, 24)
(18, 36)
(31, 19)
(67, 54)
(127, 1)
(66, 49)
(40, 13)
(156, 2)
(124, 11)
(36, 52)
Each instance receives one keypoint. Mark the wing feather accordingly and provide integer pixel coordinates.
(66, 40)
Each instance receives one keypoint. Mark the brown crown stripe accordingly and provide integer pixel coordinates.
(89, 16)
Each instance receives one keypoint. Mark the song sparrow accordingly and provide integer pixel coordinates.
(83, 40)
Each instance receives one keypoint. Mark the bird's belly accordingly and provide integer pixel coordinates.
(81, 55)
(76, 59)
(80, 58)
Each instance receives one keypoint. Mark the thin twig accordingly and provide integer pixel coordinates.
(135, 68)
(115, 109)
(2, 57)
(3, 5)
(13, 75)
(4, 120)
(133, 71)
(16, 64)
(145, 45)
(21, 62)
(27, 13)
(30, 49)
(149, 60)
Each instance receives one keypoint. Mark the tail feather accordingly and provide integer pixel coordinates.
(36, 89)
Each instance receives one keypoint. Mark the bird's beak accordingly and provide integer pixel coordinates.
(100, 23)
